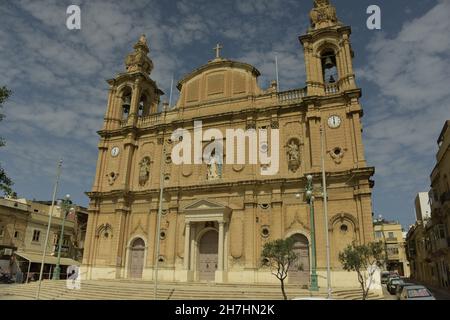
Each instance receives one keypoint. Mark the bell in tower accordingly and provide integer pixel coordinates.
(328, 63)
(328, 52)
(126, 105)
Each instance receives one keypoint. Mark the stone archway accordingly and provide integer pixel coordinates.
(208, 257)
(137, 253)
(299, 271)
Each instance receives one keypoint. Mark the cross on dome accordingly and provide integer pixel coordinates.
(217, 49)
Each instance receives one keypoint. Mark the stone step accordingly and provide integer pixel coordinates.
(137, 290)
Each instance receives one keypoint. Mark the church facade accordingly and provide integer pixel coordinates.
(215, 217)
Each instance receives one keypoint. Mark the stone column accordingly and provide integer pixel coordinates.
(187, 238)
(221, 245)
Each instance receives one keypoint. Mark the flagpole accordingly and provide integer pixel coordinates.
(276, 71)
(171, 91)
(325, 211)
(55, 190)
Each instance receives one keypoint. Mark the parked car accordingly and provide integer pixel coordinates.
(416, 292)
(384, 277)
(6, 278)
(400, 288)
(393, 283)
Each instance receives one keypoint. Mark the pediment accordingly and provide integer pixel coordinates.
(204, 204)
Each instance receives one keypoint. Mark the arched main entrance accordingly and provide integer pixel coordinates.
(208, 255)
(137, 252)
(299, 270)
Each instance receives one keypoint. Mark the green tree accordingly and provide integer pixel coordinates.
(5, 181)
(364, 259)
(279, 256)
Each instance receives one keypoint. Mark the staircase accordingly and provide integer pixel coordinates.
(144, 290)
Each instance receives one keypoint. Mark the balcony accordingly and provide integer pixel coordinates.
(292, 95)
(149, 120)
(445, 197)
(392, 239)
(331, 88)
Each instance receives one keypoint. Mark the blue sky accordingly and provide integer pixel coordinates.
(58, 78)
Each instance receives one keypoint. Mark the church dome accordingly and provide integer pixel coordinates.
(219, 79)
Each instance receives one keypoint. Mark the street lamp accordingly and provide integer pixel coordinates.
(65, 209)
(310, 198)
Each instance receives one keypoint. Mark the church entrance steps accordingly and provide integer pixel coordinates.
(136, 290)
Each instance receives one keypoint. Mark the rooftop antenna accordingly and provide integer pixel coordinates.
(276, 71)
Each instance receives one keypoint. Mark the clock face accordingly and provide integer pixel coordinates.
(334, 122)
(115, 151)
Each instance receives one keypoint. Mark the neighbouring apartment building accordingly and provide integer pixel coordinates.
(429, 239)
(23, 228)
(391, 234)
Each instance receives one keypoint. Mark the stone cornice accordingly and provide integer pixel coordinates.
(279, 183)
(222, 63)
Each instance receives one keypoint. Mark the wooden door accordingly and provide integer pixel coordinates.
(137, 258)
(208, 256)
(299, 271)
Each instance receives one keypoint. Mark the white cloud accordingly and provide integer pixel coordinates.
(410, 71)
(58, 76)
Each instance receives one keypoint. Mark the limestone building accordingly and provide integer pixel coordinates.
(23, 229)
(391, 234)
(429, 239)
(216, 215)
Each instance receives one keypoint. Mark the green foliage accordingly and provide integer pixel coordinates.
(5, 181)
(280, 255)
(363, 259)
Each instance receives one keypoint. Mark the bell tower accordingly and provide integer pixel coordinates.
(328, 52)
(133, 94)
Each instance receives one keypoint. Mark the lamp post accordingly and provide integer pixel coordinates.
(309, 196)
(65, 209)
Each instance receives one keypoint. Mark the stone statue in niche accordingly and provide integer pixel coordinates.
(144, 170)
(293, 153)
(212, 169)
(112, 177)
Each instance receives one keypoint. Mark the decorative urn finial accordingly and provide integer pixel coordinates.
(138, 61)
(323, 15)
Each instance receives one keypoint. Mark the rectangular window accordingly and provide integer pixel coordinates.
(16, 234)
(378, 234)
(66, 241)
(391, 235)
(36, 235)
(441, 231)
(2, 231)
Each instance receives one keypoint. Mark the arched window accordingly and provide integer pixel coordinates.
(144, 108)
(126, 103)
(329, 67)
